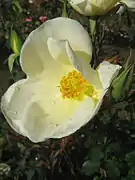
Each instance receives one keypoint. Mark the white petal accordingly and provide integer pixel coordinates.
(72, 31)
(93, 7)
(61, 50)
(89, 73)
(79, 119)
(79, 6)
(36, 109)
(87, 110)
(57, 49)
(35, 57)
(103, 3)
(107, 72)
(130, 4)
(20, 107)
(82, 116)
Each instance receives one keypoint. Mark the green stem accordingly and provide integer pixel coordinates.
(93, 26)
(64, 12)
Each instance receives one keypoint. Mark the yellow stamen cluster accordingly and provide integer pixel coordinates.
(74, 86)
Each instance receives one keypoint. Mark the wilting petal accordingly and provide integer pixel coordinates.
(35, 57)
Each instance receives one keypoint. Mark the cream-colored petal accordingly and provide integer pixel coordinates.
(36, 109)
(81, 116)
(57, 49)
(89, 73)
(22, 111)
(72, 31)
(61, 50)
(107, 72)
(80, 6)
(104, 3)
(130, 4)
(93, 7)
(87, 110)
(77, 1)
(35, 56)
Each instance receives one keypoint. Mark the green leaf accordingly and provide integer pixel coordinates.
(16, 7)
(92, 27)
(4, 169)
(95, 154)
(11, 61)
(90, 167)
(112, 170)
(30, 174)
(15, 42)
(131, 174)
(114, 147)
(96, 178)
(121, 84)
(64, 12)
(2, 142)
(130, 80)
(130, 158)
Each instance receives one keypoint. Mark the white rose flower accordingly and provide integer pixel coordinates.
(93, 7)
(61, 92)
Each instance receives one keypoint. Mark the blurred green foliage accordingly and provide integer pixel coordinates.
(102, 150)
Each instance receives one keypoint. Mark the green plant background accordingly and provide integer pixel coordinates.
(102, 150)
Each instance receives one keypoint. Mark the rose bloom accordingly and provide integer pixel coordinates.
(61, 92)
(43, 19)
(93, 7)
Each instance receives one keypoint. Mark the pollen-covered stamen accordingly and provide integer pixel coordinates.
(74, 86)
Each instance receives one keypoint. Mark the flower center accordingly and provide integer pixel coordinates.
(74, 86)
